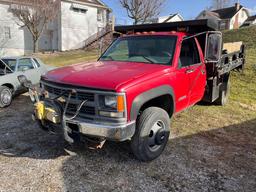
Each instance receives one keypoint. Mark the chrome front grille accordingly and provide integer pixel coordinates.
(84, 110)
(79, 95)
(88, 111)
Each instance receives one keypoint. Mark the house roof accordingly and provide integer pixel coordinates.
(227, 13)
(171, 16)
(92, 2)
(252, 18)
(97, 3)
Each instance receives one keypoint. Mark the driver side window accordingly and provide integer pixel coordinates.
(25, 64)
(189, 54)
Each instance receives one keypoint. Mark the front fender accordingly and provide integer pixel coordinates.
(144, 97)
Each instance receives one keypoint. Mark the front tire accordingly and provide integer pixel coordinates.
(152, 134)
(5, 96)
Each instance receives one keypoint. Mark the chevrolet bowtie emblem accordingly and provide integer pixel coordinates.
(62, 99)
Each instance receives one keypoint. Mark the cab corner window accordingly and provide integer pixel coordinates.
(189, 54)
(25, 64)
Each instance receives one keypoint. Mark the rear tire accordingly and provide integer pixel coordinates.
(224, 94)
(5, 96)
(152, 134)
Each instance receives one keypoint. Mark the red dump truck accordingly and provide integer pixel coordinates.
(148, 74)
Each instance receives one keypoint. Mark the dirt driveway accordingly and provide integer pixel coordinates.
(222, 159)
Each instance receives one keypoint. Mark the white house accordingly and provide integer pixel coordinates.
(228, 18)
(170, 18)
(77, 21)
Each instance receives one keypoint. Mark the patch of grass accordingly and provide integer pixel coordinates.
(243, 84)
(68, 58)
(246, 34)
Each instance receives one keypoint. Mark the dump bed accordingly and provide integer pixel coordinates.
(192, 27)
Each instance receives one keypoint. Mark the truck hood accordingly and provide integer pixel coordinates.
(109, 75)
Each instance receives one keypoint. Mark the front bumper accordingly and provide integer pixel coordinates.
(109, 132)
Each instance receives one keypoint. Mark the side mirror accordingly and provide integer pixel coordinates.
(213, 47)
(24, 81)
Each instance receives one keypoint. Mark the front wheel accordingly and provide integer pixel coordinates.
(152, 134)
(5, 96)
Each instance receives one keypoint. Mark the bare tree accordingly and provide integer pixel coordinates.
(35, 15)
(220, 4)
(5, 35)
(142, 10)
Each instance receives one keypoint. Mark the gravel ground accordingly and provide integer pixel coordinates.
(32, 160)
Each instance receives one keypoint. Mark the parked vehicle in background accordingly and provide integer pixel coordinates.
(146, 76)
(11, 68)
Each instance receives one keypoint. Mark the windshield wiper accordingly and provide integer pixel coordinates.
(144, 57)
(148, 59)
(107, 57)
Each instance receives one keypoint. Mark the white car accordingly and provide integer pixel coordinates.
(11, 68)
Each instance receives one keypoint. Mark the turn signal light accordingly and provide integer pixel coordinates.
(120, 103)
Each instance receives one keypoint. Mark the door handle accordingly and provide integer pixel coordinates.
(190, 71)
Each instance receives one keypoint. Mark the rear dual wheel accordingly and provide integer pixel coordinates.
(224, 94)
(5, 96)
(152, 134)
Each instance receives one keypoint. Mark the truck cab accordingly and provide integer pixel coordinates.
(146, 76)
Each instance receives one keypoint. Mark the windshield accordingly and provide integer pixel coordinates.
(147, 49)
(11, 63)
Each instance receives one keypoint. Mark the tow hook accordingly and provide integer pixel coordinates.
(95, 143)
(100, 145)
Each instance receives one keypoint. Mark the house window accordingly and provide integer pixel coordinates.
(83, 10)
(7, 32)
(79, 8)
(76, 10)
(100, 15)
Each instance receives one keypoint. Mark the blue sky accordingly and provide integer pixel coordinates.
(187, 8)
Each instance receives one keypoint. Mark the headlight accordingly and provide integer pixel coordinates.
(116, 103)
(112, 106)
(110, 101)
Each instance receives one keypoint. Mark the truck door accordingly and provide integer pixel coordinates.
(182, 80)
(195, 70)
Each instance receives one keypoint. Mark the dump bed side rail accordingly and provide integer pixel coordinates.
(231, 61)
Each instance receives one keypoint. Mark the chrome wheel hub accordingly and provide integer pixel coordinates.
(156, 135)
(6, 97)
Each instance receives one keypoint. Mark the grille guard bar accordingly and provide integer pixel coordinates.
(78, 108)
